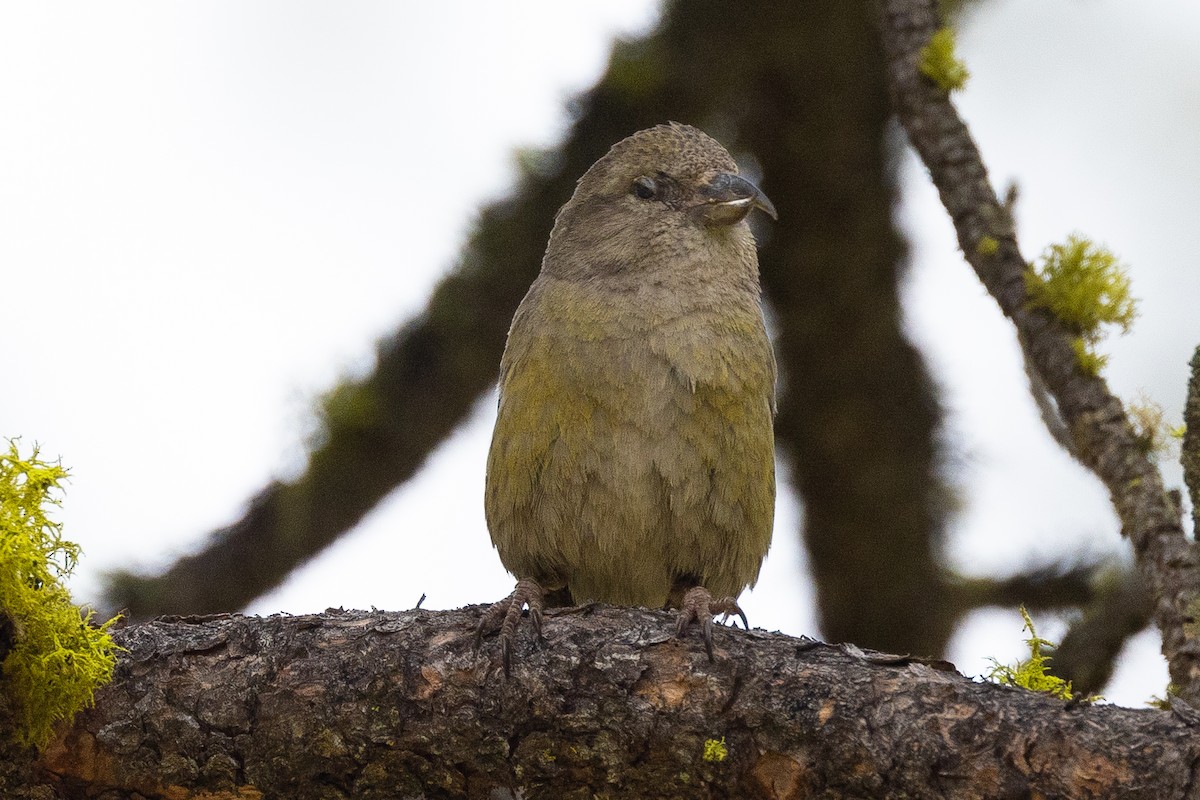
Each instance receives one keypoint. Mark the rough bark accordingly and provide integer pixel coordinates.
(1104, 439)
(395, 705)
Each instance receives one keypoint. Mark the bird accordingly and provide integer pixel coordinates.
(632, 460)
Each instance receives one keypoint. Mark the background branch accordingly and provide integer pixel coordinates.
(1113, 602)
(1119, 609)
(1189, 454)
(1056, 586)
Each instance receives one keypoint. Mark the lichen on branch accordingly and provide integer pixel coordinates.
(1033, 673)
(57, 657)
(941, 65)
(1088, 289)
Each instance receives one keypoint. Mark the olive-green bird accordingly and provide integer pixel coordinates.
(633, 456)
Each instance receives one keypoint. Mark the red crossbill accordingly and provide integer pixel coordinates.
(633, 455)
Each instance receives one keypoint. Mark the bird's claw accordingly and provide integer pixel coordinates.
(700, 606)
(506, 614)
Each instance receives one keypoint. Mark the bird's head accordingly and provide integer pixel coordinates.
(667, 190)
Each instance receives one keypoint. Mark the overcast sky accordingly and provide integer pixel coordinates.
(209, 211)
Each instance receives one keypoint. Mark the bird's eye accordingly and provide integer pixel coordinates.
(644, 188)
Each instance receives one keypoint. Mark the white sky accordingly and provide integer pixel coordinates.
(210, 211)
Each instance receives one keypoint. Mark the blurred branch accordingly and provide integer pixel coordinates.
(1114, 603)
(1102, 432)
(1048, 410)
(858, 416)
(1189, 454)
(1088, 652)
(1045, 588)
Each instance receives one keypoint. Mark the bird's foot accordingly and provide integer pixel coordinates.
(505, 615)
(700, 606)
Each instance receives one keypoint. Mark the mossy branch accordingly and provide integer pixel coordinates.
(941, 65)
(56, 656)
(386, 705)
(1087, 288)
(1033, 673)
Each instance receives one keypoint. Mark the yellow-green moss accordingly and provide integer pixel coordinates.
(58, 657)
(715, 749)
(1090, 362)
(1087, 288)
(939, 64)
(987, 246)
(1031, 673)
(1164, 703)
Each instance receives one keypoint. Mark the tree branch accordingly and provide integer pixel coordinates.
(1112, 597)
(858, 415)
(386, 705)
(1055, 586)
(1103, 436)
(1089, 650)
(1189, 451)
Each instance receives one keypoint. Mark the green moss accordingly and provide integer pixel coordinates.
(1087, 288)
(987, 246)
(1164, 703)
(58, 657)
(1090, 362)
(350, 407)
(1032, 673)
(939, 64)
(715, 749)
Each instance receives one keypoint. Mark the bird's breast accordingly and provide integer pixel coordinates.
(633, 434)
(626, 349)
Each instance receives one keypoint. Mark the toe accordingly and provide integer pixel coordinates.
(506, 617)
(699, 606)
